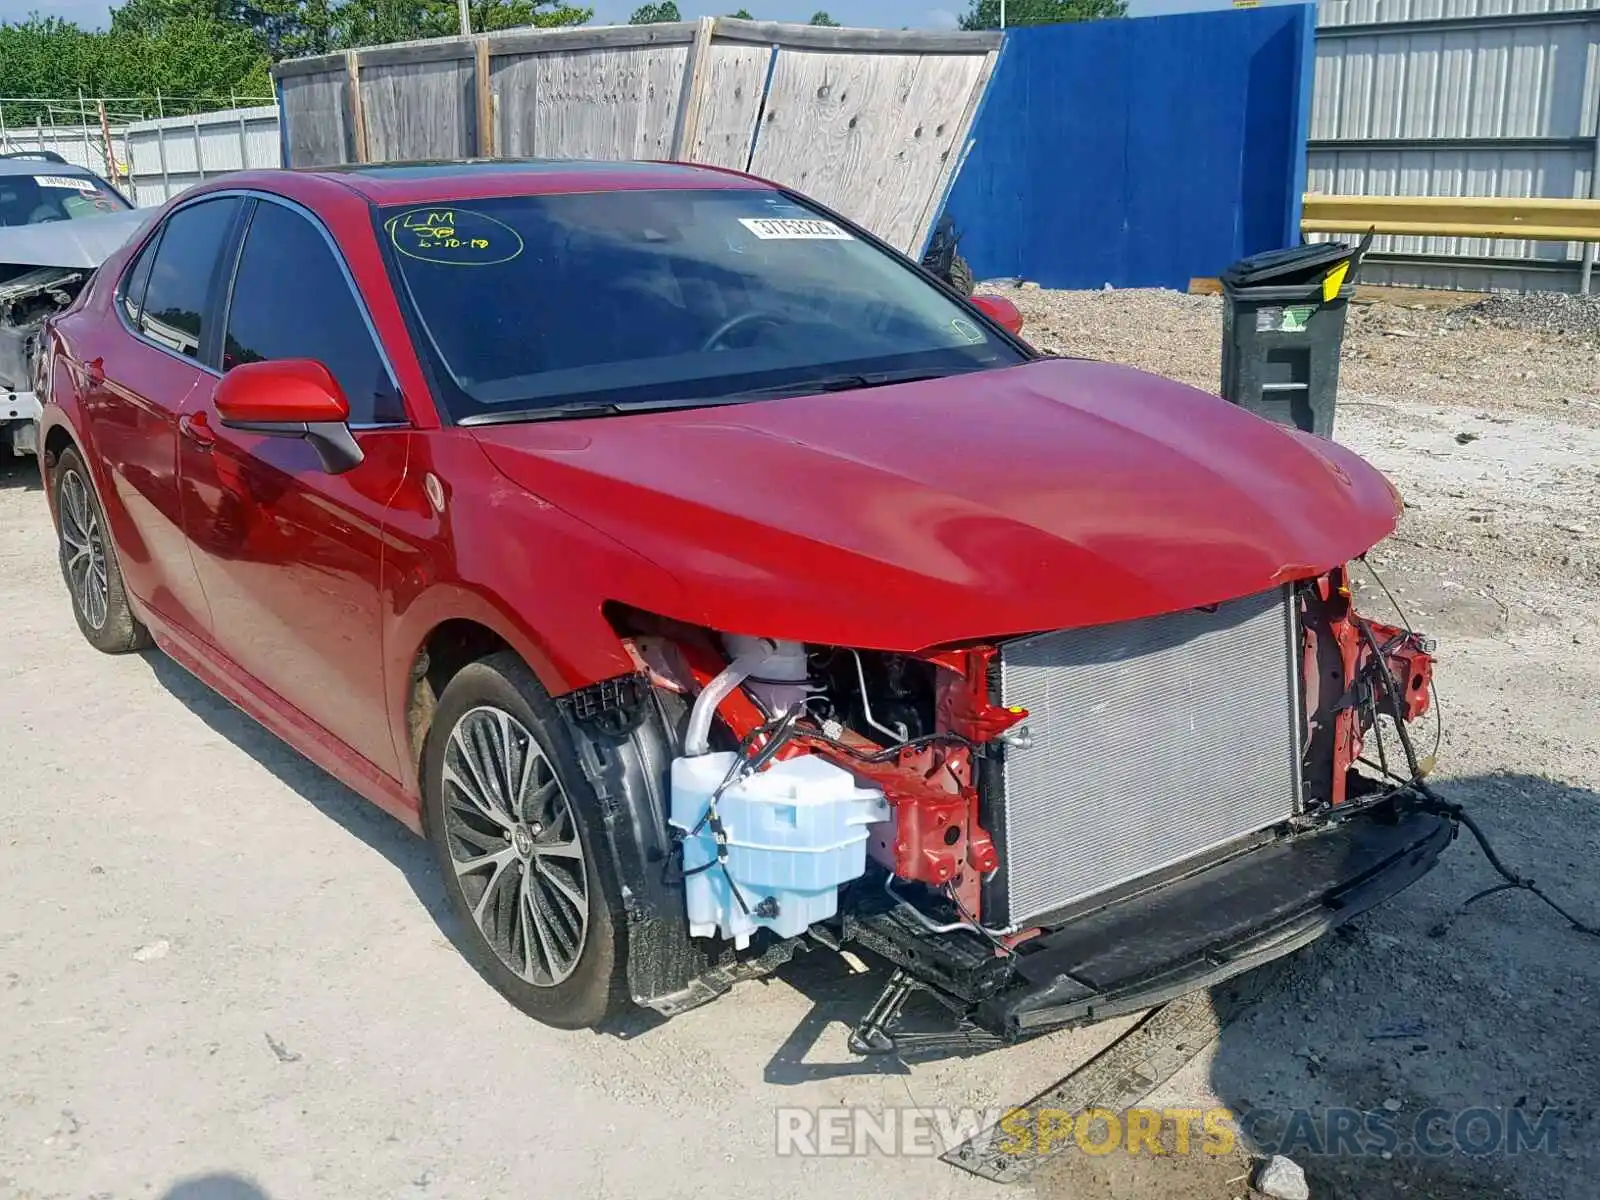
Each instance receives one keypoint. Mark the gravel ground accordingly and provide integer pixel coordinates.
(1540, 312)
(222, 975)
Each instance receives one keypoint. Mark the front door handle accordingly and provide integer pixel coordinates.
(197, 428)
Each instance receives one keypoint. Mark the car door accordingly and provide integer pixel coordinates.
(137, 378)
(290, 556)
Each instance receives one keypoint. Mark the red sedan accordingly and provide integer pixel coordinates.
(707, 581)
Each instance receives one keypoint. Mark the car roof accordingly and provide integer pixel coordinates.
(423, 182)
(28, 162)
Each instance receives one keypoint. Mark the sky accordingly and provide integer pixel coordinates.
(888, 14)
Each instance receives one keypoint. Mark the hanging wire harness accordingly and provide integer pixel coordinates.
(1432, 801)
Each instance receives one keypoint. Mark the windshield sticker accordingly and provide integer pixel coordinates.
(770, 229)
(458, 237)
(66, 181)
(966, 329)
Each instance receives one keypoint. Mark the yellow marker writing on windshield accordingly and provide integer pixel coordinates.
(457, 237)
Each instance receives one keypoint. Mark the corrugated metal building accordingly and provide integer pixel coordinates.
(84, 145)
(168, 155)
(1460, 97)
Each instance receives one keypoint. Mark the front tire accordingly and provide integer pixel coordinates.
(516, 830)
(89, 562)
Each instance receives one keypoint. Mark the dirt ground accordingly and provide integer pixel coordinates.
(223, 977)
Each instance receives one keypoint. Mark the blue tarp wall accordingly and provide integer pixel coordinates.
(1139, 153)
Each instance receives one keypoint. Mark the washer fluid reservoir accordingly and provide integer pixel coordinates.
(794, 833)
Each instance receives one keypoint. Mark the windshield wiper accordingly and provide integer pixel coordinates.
(806, 387)
(596, 408)
(853, 382)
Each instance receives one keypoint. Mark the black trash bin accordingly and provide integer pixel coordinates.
(1282, 326)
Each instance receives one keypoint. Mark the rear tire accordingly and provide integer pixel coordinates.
(516, 830)
(89, 562)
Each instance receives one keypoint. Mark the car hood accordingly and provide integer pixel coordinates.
(1053, 494)
(84, 243)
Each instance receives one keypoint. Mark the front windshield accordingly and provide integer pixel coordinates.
(46, 196)
(531, 302)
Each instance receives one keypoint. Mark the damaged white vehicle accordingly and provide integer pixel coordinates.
(58, 222)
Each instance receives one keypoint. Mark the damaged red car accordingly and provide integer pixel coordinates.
(706, 582)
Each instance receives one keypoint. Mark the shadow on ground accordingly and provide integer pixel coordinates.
(1421, 1052)
(1425, 1013)
(19, 472)
(409, 853)
(1416, 1008)
(222, 1186)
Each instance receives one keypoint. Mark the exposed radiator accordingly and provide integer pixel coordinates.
(1153, 742)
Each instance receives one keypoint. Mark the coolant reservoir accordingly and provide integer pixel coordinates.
(796, 831)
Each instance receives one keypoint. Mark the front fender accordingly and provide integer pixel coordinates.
(538, 578)
(492, 553)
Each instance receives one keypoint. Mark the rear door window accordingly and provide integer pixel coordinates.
(131, 294)
(184, 273)
(291, 299)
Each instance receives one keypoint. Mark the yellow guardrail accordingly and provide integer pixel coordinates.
(1455, 216)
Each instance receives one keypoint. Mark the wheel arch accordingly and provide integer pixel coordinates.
(56, 436)
(626, 768)
(450, 625)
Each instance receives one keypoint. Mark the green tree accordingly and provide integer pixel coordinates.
(742, 14)
(649, 14)
(199, 61)
(821, 18)
(985, 14)
(285, 28)
(200, 54)
(375, 22)
(292, 28)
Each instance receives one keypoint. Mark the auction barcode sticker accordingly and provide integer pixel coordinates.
(77, 184)
(777, 228)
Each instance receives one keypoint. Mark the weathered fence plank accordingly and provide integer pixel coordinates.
(606, 103)
(874, 41)
(420, 110)
(483, 99)
(734, 75)
(870, 121)
(317, 116)
(867, 134)
(358, 119)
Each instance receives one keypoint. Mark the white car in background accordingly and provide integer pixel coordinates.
(58, 222)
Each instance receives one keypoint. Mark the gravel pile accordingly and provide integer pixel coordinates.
(1415, 351)
(1537, 312)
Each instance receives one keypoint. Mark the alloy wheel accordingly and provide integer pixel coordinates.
(83, 551)
(514, 846)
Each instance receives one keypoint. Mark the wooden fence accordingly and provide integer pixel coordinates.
(871, 122)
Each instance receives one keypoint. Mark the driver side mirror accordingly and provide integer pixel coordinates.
(1001, 311)
(291, 397)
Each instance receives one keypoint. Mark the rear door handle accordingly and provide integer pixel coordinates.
(197, 428)
(94, 371)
